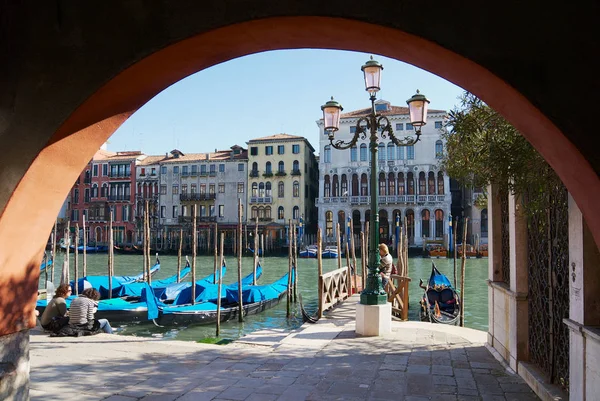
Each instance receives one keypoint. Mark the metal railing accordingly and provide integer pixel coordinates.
(259, 199)
(197, 197)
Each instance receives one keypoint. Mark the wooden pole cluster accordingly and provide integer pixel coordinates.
(84, 249)
(194, 249)
(255, 250)
(462, 274)
(148, 237)
(320, 272)
(239, 260)
(179, 255)
(216, 250)
(76, 257)
(289, 268)
(295, 264)
(221, 261)
(348, 266)
(454, 248)
(110, 254)
(338, 245)
(64, 279)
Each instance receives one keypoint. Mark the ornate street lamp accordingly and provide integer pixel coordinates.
(374, 294)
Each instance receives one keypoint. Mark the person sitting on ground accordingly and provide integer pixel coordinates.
(56, 315)
(83, 309)
(385, 264)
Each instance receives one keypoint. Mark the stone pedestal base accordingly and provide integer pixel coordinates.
(373, 320)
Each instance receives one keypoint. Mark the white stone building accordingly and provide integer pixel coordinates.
(410, 182)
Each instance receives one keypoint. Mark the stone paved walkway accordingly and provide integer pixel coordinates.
(325, 361)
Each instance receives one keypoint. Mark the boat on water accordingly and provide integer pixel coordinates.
(483, 251)
(137, 302)
(45, 264)
(440, 302)
(470, 253)
(330, 252)
(250, 250)
(101, 283)
(437, 252)
(309, 252)
(255, 299)
(127, 250)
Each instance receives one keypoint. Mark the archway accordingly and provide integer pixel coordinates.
(63, 144)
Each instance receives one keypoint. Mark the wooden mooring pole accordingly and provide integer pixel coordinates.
(179, 255)
(110, 254)
(338, 245)
(84, 249)
(462, 274)
(353, 253)
(255, 251)
(194, 250)
(64, 279)
(295, 265)
(76, 259)
(216, 250)
(363, 259)
(239, 262)
(288, 310)
(455, 223)
(220, 281)
(53, 255)
(320, 272)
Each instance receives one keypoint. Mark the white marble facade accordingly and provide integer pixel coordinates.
(410, 181)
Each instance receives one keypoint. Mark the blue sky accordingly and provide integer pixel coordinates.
(265, 94)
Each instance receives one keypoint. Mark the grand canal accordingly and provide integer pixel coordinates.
(476, 298)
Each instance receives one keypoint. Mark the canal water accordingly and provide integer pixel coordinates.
(476, 298)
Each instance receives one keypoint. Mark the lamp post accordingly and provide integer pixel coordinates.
(374, 294)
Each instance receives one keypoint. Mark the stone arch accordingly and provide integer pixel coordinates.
(89, 113)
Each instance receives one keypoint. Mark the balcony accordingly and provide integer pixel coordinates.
(295, 172)
(119, 198)
(212, 174)
(253, 173)
(262, 219)
(263, 199)
(281, 174)
(199, 219)
(197, 197)
(268, 174)
(120, 175)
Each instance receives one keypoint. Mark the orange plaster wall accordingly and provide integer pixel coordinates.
(71, 147)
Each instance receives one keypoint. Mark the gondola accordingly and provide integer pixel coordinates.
(307, 317)
(45, 264)
(255, 299)
(127, 250)
(440, 302)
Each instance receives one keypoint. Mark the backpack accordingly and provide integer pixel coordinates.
(394, 270)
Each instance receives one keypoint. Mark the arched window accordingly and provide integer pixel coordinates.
(254, 189)
(353, 153)
(364, 185)
(382, 184)
(336, 186)
(281, 189)
(268, 169)
(381, 152)
(422, 185)
(254, 212)
(255, 167)
(484, 223)
(410, 183)
(95, 191)
(296, 189)
(327, 154)
(296, 213)
(410, 223)
(261, 190)
(391, 184)
(425, 223)
(296, 167)
(344, 190)
(401, 189)
(391, 151)
(439, 223)
(356, 229)
(342, 223)
(280, 215)
(431, 183)
(104, 191)
(261, 213)
(268, 189)
(440, 184)
(363, 152)
(268, 212)
(355, 185)
(76, 196)
(328, 223)
(439, 149)
(281, 167)
(327, 187)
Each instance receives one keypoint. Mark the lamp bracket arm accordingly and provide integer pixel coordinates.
(407, 140)
(341, 145)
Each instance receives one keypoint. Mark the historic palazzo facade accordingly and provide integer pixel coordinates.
(411, 184)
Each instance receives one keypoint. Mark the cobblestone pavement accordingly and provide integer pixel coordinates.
(324, 361)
